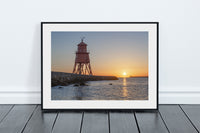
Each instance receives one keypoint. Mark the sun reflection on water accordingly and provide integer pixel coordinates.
(124, 88)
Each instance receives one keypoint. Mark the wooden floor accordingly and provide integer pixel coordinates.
(169, 118)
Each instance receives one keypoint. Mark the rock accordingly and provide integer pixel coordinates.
(82, 84)
(76, 85)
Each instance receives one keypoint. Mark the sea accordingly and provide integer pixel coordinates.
(135, 88)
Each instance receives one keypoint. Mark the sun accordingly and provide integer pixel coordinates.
(124, 73)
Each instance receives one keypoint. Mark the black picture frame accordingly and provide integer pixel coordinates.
(89, 109)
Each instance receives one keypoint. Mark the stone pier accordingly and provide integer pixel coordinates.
(61, 78)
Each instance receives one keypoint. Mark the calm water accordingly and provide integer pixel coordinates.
(122, 89)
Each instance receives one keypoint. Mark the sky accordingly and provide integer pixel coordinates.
(111, 53)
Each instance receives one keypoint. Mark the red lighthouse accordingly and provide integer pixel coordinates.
(82, 61)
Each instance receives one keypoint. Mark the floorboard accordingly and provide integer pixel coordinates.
(68, 122)
(4, 109)
(175, 119)
(40, 122)
(122, 122)
(169, 118)
(16, 119)
(150, 122)
(193, 112)
(95, 122)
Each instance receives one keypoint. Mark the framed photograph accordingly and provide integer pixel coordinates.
(99, 65)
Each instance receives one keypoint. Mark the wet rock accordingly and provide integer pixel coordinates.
(83, 84)
(76, 84)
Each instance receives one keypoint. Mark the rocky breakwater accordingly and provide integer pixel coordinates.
(63, 79)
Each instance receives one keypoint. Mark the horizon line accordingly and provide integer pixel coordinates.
(142, 76)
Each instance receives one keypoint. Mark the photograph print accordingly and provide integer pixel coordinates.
(99, 65)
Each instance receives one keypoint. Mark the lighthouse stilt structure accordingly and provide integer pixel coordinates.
(82, 61)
